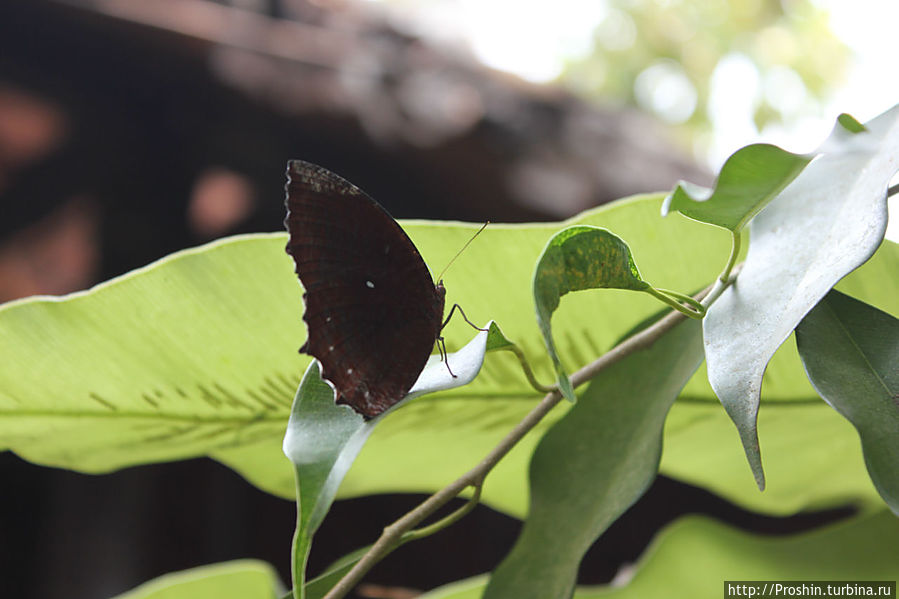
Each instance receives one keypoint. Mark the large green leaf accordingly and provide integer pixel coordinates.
(825, 224)
(197, 355)
(851, 353)
(242, 579)
(693, 557)
(594, 464)
(170, 361)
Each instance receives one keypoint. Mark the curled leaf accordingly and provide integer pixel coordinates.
(578, 258)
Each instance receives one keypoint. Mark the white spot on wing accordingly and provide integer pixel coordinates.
(369, 284)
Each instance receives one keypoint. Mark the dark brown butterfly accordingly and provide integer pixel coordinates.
(372, 311)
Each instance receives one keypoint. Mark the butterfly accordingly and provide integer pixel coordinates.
(373, 313)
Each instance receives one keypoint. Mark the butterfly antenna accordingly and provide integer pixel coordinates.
(459, 253)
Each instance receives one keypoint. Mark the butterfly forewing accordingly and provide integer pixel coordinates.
(372, 310)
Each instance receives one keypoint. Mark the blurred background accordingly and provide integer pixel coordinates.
(129, 130)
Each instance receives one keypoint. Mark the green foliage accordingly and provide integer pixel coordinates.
(152, 366)
(850, 353)
(205, 303)
(692, 557)
(582, 257)
(749, 179)
(824, 225)
(323, 438)
(318, 435)
(575, 259)
(196, 355)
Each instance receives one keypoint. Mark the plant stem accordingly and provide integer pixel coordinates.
(720, 285)
(393, 534)
(737, 241)
(893, 190)
(426, 531)
(298, 564)
(528, 373)
(680, 302)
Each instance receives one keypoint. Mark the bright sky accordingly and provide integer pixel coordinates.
(536, 46)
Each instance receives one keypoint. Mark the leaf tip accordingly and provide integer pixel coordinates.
(849, 123)
(760, 479)
(750, 439)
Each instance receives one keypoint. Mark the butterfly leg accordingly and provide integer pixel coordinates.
(465, 318)
(441, 347)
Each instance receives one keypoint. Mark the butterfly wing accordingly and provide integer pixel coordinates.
(372, 310)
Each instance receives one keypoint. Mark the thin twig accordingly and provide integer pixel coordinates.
(426, 531)
(720, 285)
(736, 242)
(393, 533)
(528, 373)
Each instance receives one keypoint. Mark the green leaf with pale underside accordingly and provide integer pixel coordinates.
(323, 438)
(850, 351)
(824, 225)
